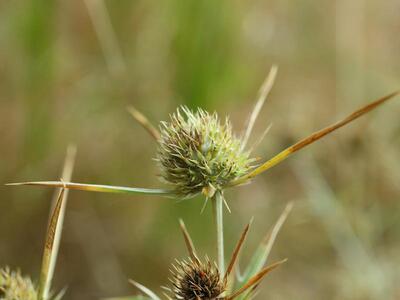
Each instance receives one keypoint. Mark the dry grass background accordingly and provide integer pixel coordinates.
(68, 69)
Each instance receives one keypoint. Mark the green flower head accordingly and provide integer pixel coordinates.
(197, 153)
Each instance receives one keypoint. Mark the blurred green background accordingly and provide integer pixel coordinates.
(69, 69)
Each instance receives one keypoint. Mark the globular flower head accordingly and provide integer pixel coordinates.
(197, 153)
(195, 280)
(13, 286)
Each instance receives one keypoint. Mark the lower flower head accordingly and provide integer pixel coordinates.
(195, 280)
(198, 154)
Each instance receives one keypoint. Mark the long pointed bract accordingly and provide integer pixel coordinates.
(188, 241)
(237, 251)
(310, 139)
(262, 96)
(98, 188)
(256, 279)
(260, 257)
(144, 122)
(66, 174)
(48, 248)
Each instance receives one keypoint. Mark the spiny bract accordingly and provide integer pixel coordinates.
(197, 153)
(13, 286)
(194, 280)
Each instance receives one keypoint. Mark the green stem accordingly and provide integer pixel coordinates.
(218, 206)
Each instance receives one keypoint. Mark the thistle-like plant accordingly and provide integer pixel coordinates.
(196, 279)
(14, 286)
(199, 154)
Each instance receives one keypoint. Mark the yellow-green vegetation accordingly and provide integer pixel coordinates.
(14, 286)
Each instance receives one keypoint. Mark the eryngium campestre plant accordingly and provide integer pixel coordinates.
(197, 153)
(193, 279)
(13, 286)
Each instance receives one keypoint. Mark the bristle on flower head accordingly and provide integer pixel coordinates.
(198, 154)
(13, 286)
(195, 280)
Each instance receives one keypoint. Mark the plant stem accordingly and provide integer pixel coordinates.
(218, 206)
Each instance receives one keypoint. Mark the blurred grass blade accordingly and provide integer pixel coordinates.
(145, 290)
(237, 251)
(66, 174)
(188, 241)
(144, 122)
(98, 188)
(108, 39)
(256, 279)
(260, 256)
(48, 257)
(262, 96)
(353, 254)
(311, 139)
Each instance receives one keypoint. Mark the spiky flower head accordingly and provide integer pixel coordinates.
(13, 286)
(197, 153)
(196, 280)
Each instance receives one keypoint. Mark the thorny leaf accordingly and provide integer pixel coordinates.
(98, 188)
(54, 230)
(255, 279)
(311, 139)
(260, 256)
